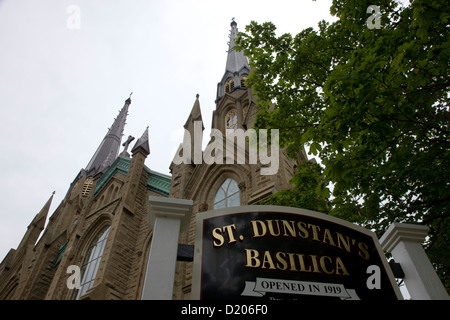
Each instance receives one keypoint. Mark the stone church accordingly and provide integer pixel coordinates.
(101, 226)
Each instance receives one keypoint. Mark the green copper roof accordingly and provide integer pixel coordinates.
(157, 182)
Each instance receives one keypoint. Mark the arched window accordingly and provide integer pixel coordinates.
(92, 261)
(243, 79)
(231, 121)
(227, 195)
(229, 85)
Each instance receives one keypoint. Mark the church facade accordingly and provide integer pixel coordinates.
(100, 230)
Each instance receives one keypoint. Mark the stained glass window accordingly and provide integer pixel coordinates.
(227, 195)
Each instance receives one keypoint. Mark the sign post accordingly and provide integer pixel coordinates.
(273, 252)
(166, 217)
(404, 241)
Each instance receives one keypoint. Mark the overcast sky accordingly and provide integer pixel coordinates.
(64, 79)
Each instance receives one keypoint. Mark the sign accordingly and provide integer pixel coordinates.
(273, 252)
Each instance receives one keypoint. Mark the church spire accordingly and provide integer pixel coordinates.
(196, 113)
(142, 144)
(109, 148)
(36, 226)
(39, 219)
(236, 69)
(236, 61)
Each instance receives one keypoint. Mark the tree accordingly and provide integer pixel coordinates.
(369, 94)
(308, 192)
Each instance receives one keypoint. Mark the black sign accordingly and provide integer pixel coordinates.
(287, 253)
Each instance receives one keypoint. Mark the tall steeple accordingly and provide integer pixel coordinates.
(196, 113)
(142, 144)
(36, 226)
(109, 148)
(236, 69)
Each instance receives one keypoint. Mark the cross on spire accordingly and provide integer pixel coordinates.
(126, 144)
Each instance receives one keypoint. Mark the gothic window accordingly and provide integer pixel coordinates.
(227, 195)
(229, 85)
(93, 257)
(243, 79)
(231, 121)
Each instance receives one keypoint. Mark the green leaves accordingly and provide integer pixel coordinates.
(309, 192)
(373, 104)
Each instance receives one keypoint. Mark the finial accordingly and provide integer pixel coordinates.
(128, 101)
(233, 22)
(53, 193)
(197, 95)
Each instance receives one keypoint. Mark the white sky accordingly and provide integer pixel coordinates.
(61, 88)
